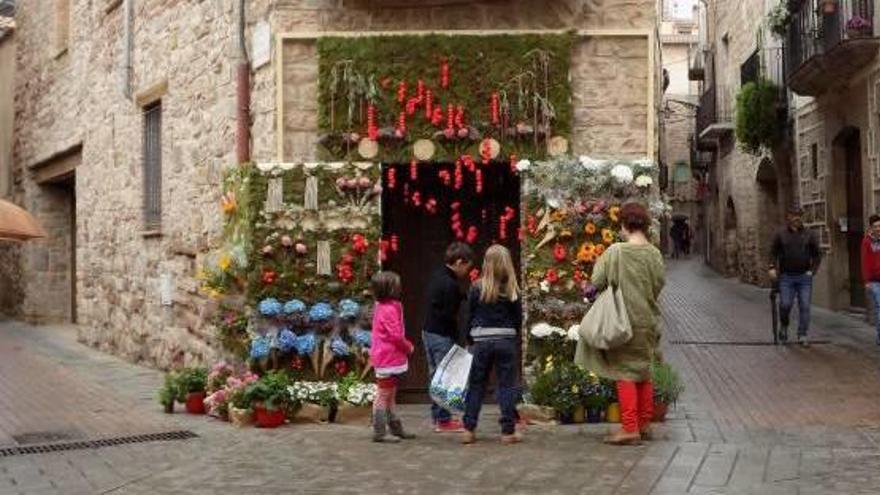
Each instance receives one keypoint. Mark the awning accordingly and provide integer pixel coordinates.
(17, 224)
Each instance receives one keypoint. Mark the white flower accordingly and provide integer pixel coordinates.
(287, 166)
(265, 166)
(572, 333)
(541, 330)
(523, 165)
(644, 181)
(554, 202)
(645, 163)
(545, 286)
(622, 173)
(591, 164)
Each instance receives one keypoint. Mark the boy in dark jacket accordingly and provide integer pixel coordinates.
(440, 331)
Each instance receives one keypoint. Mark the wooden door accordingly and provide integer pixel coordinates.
(422, 235)
(854, 213)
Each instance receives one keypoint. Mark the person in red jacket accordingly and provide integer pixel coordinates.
(871, 265)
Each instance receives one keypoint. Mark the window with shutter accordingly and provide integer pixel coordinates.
(153, 166)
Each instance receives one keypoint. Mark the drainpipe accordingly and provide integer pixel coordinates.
(127, 68)
(243, 93)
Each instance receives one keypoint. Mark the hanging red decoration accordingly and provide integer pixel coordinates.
(472, 235)
(459, 117)
(450, 116)
(395, 243)
(478, 186)
(431, 206)
(429, 105)
(437, 116)
(559, 253)
(420, 90)
(401, 92)
(474, 274)
(469, 163)
(493, 109)
(417, 199)
(372, 130)
(413, 170)
(401, 123)
(459, 175)
(445, 177)
(384, 247)
(444, 73)
(411, 105)
(392, 178)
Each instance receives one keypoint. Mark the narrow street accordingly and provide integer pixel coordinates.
(755, 419)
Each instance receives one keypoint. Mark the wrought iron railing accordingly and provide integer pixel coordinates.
(817, 26)
(715, 108)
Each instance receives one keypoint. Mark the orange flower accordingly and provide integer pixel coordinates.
(599, 250)
(614, 214)
(229, 202)
(590, 228)
(558, 215)
(586, 251)
(607, 236)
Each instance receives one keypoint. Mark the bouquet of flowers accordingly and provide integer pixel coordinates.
(320, 393)
(236, 388)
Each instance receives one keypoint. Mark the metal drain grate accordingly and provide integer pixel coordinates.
(741, 342)
(96, 444)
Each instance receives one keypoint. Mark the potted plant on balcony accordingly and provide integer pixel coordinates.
(778, 19)
(858, 27)
(759, 124)
(829, 6)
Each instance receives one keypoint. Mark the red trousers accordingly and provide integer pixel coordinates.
(636, 404)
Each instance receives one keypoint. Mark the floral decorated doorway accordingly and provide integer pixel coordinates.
(429, 205)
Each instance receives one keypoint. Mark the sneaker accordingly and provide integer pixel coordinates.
(804, 341)
(387, 438)
(451, 426)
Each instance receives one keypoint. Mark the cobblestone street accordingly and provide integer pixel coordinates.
(755, 419)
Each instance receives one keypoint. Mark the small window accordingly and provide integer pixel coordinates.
(153, 166)
(814, 160)
(62, 26)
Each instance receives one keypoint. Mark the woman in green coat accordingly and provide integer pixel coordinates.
(636, 268)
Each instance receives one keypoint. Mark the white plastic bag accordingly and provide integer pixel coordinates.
(450, 381)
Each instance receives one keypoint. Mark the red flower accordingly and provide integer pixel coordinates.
(551, 276)
(341, 368)
(559, 253)
(578, 276)
(474, 274)
(359, 243)
(269, 276)
(297, 363)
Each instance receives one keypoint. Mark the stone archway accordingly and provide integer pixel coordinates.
(731, 247)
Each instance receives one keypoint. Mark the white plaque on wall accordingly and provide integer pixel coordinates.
(261, 45)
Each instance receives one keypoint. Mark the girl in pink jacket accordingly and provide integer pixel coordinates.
(388, 355)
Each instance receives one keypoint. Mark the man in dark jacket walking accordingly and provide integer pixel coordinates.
(440, 330)
(871, 266)
(794, 258)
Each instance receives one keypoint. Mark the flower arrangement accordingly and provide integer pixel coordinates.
(270, 391)
(319, 393)
(218, 375)
(236, 390)
(355, 392)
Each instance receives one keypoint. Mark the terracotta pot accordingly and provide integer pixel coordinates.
(612, 414)
(241, 417)
(579, 415)
(535, 414)
(269, 418)
(195, 403)
(660, 410)
(314, 413)
(349, 414)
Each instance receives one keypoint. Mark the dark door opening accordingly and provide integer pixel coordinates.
(417, 208)
(854, 213)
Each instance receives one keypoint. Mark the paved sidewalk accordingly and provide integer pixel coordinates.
(755, 419)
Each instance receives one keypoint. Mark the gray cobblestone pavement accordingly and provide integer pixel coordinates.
(755, 419)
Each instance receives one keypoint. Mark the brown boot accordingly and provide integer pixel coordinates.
(468, 437)
(511, 439)
(621, 437)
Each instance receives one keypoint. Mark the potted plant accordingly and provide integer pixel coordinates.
(270, 399)
(858, 27)
(593, 402)
(778, 19)
(667, 389)
(191, 383)
(355, 400)
(559, 387)
(612, 409)
(240, 412)
(168, 393)
(316, 400)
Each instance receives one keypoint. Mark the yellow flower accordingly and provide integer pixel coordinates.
(586, 251)
(590, 228)
(614, 214)
(229, 202)
(607, 236)
(224, 262)
(558, 215)
(214, 294)
(574, 389)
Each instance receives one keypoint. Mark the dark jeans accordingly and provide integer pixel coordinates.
(795, 286)
(436, 347)
(499, 354)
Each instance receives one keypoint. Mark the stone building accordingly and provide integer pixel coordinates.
(832, 66)
(125, 124)
(745, 194)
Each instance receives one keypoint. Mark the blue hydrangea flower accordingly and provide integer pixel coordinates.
(260, 347)
(270, 307)
(286, 340)
(306, 344)
(339, 347)
(321, 312)
(294, 306)
(349, 309)
(363, 338)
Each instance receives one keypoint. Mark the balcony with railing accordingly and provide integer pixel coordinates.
(714, 117)
(828, 41)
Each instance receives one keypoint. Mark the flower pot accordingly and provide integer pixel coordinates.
(594, 415)
(829, 6)
(195, 403)
(579, 415)
(660, 410)
(269, 418)
(351, 414)
(566, 418)
(535, 414)
(314, 413)
(241, 417)
(612, 414)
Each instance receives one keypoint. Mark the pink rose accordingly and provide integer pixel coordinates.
(463, 133)
(301, 248)
(286, 241)
(351, 183)
(364, 182)
(340, 183)
(267, 250)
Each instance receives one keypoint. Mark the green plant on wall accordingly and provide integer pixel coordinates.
(778, 19)
(398, 89)
(759, 125)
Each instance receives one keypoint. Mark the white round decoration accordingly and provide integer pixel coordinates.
(368, 148)
(423, 149)
(557, 146)
(493, 146)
